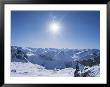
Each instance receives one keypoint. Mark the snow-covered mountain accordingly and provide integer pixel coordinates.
(52, 58)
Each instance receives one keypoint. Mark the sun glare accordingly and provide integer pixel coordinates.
(54, 27)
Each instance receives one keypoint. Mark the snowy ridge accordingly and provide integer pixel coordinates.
(94, 71)
(32, 70)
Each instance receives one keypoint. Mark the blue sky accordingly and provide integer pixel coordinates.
(78, 29)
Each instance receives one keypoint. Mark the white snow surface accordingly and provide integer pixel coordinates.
(19, 69)
(30, 70)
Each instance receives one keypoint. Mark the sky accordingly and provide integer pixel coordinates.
(77, 29)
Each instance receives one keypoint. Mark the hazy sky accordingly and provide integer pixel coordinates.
(78, 29)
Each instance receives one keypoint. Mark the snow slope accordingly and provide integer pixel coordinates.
(19, 69)
(30, 70)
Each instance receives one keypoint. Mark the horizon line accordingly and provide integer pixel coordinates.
(54, 47)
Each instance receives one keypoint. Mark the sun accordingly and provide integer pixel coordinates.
(54, 27)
